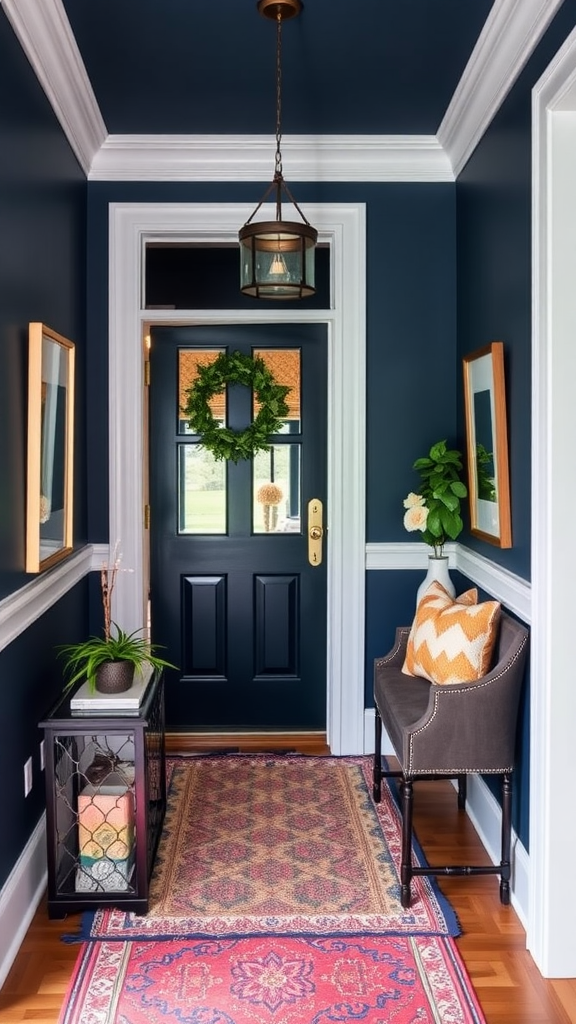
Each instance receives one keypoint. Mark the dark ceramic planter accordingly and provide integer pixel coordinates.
(114, 676)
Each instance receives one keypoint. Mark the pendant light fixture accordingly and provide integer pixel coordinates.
(277, 256)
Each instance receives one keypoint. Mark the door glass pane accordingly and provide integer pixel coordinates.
(188, 362)
(277, 490)
(201, 491)
(284, 364)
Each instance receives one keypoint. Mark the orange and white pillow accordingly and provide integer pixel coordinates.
(452, 639)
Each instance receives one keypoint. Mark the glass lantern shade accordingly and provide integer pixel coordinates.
(277, 260)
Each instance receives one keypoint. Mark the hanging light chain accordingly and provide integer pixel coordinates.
(278, 162)
(277, 257)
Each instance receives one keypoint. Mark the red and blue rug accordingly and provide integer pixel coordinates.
(274, 980)
(287, 846)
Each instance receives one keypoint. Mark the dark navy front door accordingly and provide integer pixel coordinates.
(238, 599)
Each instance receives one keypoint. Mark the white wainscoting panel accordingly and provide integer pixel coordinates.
(513, 591)
(20, 610)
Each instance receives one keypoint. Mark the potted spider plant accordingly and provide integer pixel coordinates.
(109, 661)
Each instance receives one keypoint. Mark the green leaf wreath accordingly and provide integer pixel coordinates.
(236, 368)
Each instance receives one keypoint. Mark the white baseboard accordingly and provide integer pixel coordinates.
(369, 734)
(485, 814)
(20, 897)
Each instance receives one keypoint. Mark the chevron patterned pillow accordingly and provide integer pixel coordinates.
(451, 640)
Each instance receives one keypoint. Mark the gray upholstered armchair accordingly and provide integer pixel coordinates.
(451, 731)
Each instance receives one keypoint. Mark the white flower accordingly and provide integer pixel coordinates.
(415, 518)
(413, 499)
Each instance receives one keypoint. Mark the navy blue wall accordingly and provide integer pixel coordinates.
(32, 681)
(411, 321)
(42, 277)
(493, 198)
(493, 213)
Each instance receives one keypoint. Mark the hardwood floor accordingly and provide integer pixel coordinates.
(493, 941)
(510, 989)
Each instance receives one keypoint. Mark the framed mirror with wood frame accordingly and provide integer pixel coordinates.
(50, 483)
(487, 445)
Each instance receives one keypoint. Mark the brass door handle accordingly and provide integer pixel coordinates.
(315, 531)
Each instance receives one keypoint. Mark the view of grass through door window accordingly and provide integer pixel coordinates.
(276, 473)
(201, 478)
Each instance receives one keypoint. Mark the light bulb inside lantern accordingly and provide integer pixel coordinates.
(278, 267)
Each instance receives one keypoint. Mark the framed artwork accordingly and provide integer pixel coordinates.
(487, 445)
(49, 500)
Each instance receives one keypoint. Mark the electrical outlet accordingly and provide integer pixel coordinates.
(42, 761)
(28, 776)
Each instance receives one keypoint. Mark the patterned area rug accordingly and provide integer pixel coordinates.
(272, 981)
(277, 845)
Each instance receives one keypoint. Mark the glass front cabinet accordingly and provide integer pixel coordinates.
(105, 800)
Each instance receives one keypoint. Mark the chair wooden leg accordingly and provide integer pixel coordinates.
(505, 865)
(377, 769)
(406, 799)
(462, 791)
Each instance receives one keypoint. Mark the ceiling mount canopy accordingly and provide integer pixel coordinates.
(287, 8)
(277, 256)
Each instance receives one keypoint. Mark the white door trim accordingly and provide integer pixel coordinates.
(343, 227)
(553, 695)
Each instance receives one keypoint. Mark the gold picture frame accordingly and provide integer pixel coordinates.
(50, 476)
(487, 445)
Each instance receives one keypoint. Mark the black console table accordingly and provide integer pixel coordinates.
(105, 801)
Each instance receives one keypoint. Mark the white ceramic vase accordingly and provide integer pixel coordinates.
(437, 572)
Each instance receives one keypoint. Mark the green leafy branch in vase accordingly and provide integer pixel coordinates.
(434, 509)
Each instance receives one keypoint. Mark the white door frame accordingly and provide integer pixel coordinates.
(553, 692)
(343, 228)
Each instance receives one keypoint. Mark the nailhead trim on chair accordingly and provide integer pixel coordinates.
(443, 693)
(392, 654)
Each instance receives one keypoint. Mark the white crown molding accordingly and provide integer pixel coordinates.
(44, 32)
(250, 158)
(509, 36)
(555, 91)
(512, 31)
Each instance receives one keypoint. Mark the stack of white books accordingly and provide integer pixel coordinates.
(89, 701)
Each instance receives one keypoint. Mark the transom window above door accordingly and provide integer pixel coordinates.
(184, 276)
